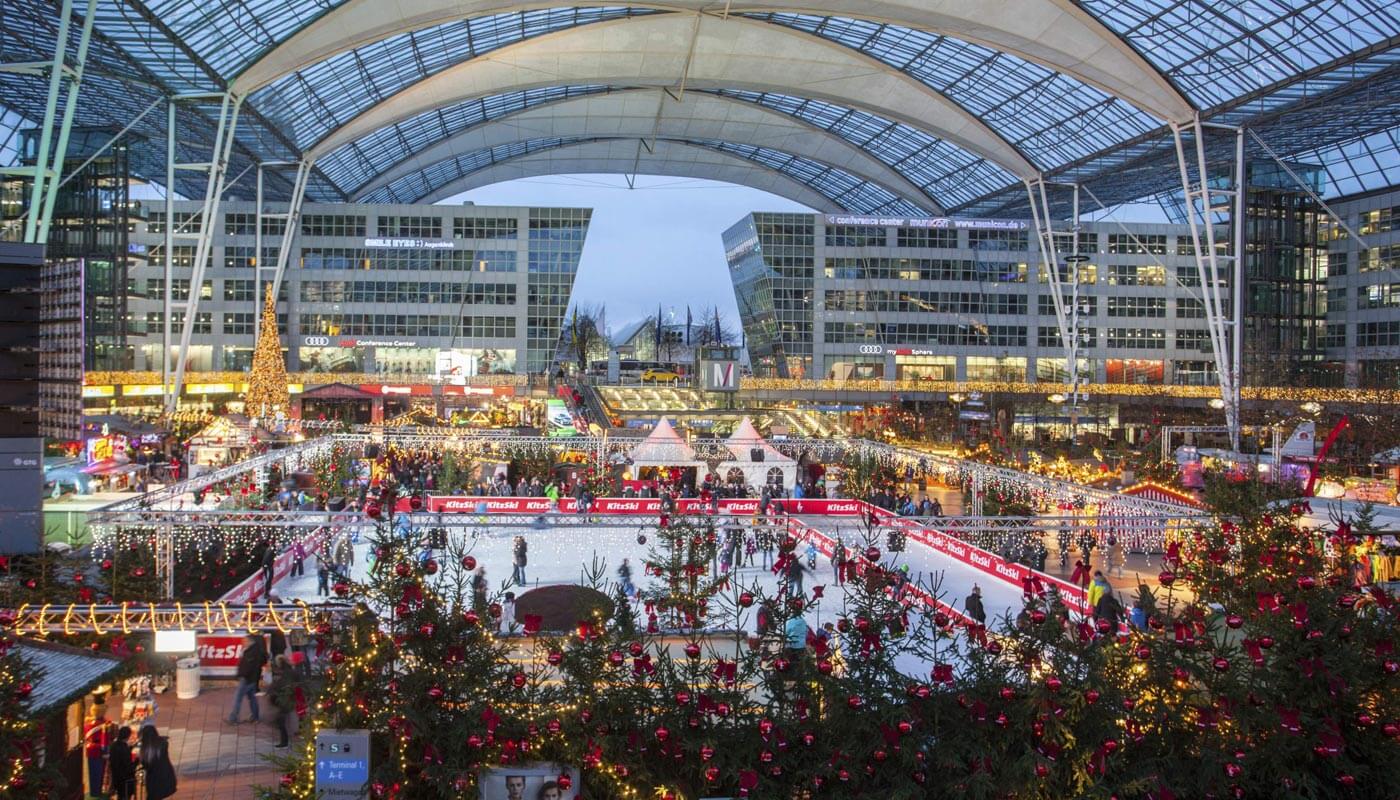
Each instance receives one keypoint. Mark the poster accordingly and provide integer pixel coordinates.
(537, 781)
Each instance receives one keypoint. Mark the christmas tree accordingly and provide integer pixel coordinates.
(424, 670)
(21, 739)
(267, 384)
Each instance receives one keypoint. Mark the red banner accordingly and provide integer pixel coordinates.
(218, 653)
(449, 504)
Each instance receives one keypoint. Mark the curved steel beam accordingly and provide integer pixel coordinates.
(708, 52)
(1056, 34)
(634, 113)
(619, 157)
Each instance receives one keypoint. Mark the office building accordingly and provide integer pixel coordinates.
(397, 290)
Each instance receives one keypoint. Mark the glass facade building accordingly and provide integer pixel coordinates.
(412, 290)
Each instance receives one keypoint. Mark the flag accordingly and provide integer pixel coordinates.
(687, 326)
(656, 339)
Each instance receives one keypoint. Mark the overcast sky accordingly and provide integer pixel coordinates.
(658, 243)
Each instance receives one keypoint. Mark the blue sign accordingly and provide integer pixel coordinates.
(342, 764)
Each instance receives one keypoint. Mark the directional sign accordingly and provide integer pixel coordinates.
(342, 765)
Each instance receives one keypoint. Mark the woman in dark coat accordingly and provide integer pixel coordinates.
(123, 765)
(155, 757)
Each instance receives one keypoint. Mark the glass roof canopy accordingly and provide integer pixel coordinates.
(1317, 79)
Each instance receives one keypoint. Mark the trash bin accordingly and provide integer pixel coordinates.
(187, 678)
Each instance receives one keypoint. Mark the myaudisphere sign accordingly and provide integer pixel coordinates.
(929, 222)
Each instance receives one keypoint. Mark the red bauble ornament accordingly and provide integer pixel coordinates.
(337, 657)
(746, 599)
(1091, 696)
(1307, 582)
(468, 562)
(341, 588)
(415, 503)
(854, 701)
(711, 774)
(1143, 653)
(661, 733)
(682, 698)
(287, 780)
(106, 563)
(426, 630)
(692, 650)
(430, 567)
(1391, 666)
(474, 741)
(554, 657)
(1053, 683)
(471, 618)
(1221, 665)
(824, 666)
(1234, 621)
(564, 781)
(373, 510)
(873, 553)
(994, 647)
(1266, 642)
(781, 664)
(635, 649)
(1007, 693)
(1166, 577)
(706, 753)
(616, 658)
(435, 692)
(518, 680)
(1041, 770)
(1391, 729)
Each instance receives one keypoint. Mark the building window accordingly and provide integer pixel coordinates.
(1137, 306)
(1137, 338)
(1137, 275)
(241, 224)
(1192, 339)
(983, 368)
(1378, 334)
(1381, 295)
(241, 290)
(484, 228)
(333, 225)
(1144, 244)
(238, 323)
(410, 227)
(1050, 337)
(1375, 259)
(1190, 308)
(855, 236)
(924, 237)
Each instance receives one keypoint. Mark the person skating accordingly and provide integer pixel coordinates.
(974, 607)
(269, 561)
(519, 551)
(249, 672)
(624, 578)
(838, 561)
(1097, 588)
(479, 588)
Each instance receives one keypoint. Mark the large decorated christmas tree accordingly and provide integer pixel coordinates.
(267, 383)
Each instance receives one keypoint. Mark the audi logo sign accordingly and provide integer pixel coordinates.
(872, 349)
(318, 341)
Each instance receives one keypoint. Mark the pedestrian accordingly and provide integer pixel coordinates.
(269, 561)
(624, 578)
(795, 573)
(974, 607)
(1116, 556)
(155, 757)
(1098, 587)
(479, 587)
(122, 764)
(298, 558)
(249, 672)
(97, 741)
(520, 551)
(282, 694)
(507, 612)
(1108, 612)
(323, 572)
(278, 638)
(838, 561)
(795, 636)
(1138, 616)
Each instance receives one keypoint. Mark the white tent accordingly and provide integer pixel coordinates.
(663, 447)
(759, 461)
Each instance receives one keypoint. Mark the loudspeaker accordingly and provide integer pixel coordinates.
(756, 454)
(371, 450)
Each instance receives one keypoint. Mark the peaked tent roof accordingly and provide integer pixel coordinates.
(663, 447)
(746, 437)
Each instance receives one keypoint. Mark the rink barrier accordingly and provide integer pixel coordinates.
(250, 588)
(985, 561)
(827, 545)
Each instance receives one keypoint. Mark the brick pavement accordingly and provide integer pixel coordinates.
(213, 759)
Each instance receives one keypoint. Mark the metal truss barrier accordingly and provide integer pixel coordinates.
(129, 618)
(954, 470)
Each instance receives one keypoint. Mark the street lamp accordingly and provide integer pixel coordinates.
(1056, 398)
(1311, 407)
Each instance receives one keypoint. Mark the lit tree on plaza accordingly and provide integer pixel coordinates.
(267, 384)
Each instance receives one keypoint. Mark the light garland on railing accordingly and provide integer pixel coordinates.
(1292, 394)
(140, 378)
(76, 618)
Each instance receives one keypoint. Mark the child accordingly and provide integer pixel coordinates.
(508, 612)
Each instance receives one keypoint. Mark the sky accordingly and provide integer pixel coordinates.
(657, 243)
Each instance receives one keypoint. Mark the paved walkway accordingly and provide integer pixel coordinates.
(213, 759)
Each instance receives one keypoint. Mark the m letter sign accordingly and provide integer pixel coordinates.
(719, 376)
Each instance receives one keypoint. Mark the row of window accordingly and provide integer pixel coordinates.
(1383, 295)
(1382, 220)
(471, 326)
(915, 302)
(1378, 334)
(922, 269)
(408, 292)
(1375, 259)
(926, 334)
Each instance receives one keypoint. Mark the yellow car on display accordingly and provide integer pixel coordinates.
(659, 376)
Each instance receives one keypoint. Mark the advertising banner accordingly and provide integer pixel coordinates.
(218, 653)
(250, 589)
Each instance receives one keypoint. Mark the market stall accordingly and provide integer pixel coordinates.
(664, 457)
(758, 461)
